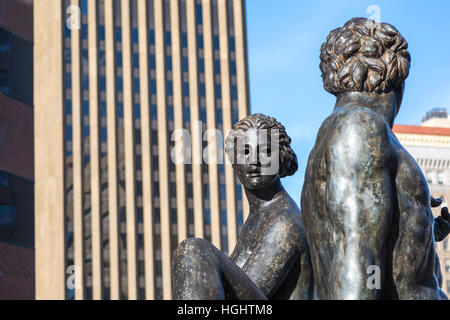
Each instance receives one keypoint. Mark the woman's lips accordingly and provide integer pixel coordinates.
(253, 175)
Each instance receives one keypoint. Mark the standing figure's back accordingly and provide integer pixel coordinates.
(365, 201)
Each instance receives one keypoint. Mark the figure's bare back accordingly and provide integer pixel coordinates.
(347, 202)
(321, 237)
(409, 239)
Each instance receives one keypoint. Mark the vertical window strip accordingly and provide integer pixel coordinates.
(157, 275)
(113, 198)
(211, 124)
(202, 116)
(145, 150)
(187, 115)
(219, 123)
(68, 154)
(77, 159)
(104, 212)
(170, 125)
(177, 78)
(121, 153)
(234, 102)
(129, 148)
(161, 95)
(227, 119)
(197, 178)
(87, 219)
(94, 150)
(138, 152)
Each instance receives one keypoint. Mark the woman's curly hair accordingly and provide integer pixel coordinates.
(288, 159)
(364, 56)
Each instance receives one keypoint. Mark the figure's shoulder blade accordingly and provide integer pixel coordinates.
(360, 138)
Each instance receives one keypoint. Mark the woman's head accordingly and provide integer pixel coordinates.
(260, 150)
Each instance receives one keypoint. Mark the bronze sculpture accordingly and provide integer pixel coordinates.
(271, 258)
(365, 201)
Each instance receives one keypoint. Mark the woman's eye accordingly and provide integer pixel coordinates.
(266, 151)
(244, 151)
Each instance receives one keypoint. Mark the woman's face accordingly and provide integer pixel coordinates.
(257, 158)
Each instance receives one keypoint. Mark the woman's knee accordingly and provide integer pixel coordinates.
(192, 251)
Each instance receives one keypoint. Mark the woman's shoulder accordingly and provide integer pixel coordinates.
(289, 219)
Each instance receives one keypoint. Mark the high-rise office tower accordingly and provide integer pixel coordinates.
(116, 81)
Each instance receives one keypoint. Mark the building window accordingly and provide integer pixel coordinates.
(16, 67)
(5, 61)
(446, 247)
(7, 208)
(447, 265)
(440, 178)
(429, 177)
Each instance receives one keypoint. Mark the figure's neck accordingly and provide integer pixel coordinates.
(383, 103)
(259, 198)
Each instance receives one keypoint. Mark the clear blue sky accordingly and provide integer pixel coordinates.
(284, 38)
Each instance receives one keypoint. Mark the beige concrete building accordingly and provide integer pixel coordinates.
(114, 79)
(429, 144)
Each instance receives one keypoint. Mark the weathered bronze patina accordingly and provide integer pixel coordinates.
(271, 259)
(365, 201)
